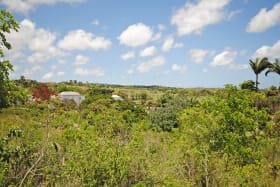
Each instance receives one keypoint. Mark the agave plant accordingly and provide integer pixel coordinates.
(258, 66)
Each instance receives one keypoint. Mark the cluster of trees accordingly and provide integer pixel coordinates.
(223, 137)
(259, 65)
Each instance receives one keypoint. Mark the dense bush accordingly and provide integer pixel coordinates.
(226, 137)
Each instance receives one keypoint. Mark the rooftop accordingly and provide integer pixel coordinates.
(69, 93)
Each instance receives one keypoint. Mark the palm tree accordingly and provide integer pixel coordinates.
(274, 67)
(258, 66)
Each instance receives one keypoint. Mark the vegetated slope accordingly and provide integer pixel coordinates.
(155, 137)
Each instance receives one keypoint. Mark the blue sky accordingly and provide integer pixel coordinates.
(179, 43)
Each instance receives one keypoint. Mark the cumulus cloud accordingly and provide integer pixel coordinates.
(38, 41)
(264, 19)
(224, 58)
(128, 55)
(136, 35)
(169, 44)
(156, 36)
(60, 73)
(47, 76)
(148, 51)
(146, 66)
(161, 27)
(24, 6)
(130, 71)
(80, 60)
(179, 68)
(268, 51)
(192, 18)
(86, 72)
(82, 40)
(198, 55)
(28, 72)
(95, 22)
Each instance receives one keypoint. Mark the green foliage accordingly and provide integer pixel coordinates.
(7, 24)
(258, 66)
(248, 84)
(274, 67)
(223, 137)
(164, 119)
(226, 127)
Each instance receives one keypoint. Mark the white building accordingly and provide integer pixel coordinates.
(77, 97)
(116, 97)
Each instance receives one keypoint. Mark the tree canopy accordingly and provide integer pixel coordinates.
(7, 24)
(258, 66)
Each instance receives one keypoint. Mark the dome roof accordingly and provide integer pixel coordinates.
(69, 93)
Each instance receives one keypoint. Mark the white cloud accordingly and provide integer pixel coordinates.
(238, 66)
(95, 22)
(161, 27)
(179, 68)
(198, 55)
(128, 55)
(38, 41)
(80, 60)
(82, 40)
(169, 44)
(156, 36)
(60, 73)
(268, 51)
(224, 59)
(54, 67)
(48, 76)
(136, 35)
(44, 56)
(61, 61)
(35, 69)
(265, 19)
(233, 13)
(178, 45)
(24, 6)
(130, 71)
(192, 18)
(85, 72)
(146, 66)
(148, 51)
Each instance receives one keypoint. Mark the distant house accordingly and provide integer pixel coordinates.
(116, 97)
(77, 97)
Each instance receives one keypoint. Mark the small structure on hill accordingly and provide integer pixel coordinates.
(77, 97)
(117, 98)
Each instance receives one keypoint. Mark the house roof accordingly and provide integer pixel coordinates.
(116, 97)
(69, 93)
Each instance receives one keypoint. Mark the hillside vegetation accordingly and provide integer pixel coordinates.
(156, 136)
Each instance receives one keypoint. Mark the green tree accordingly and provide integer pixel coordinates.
(248, 84)
(7, 24)
(274, 67)
(258, 66)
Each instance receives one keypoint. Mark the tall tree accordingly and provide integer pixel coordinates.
(258, 66)
(274, 67)
(7, 24)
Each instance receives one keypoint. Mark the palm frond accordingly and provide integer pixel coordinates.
(274, 67)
